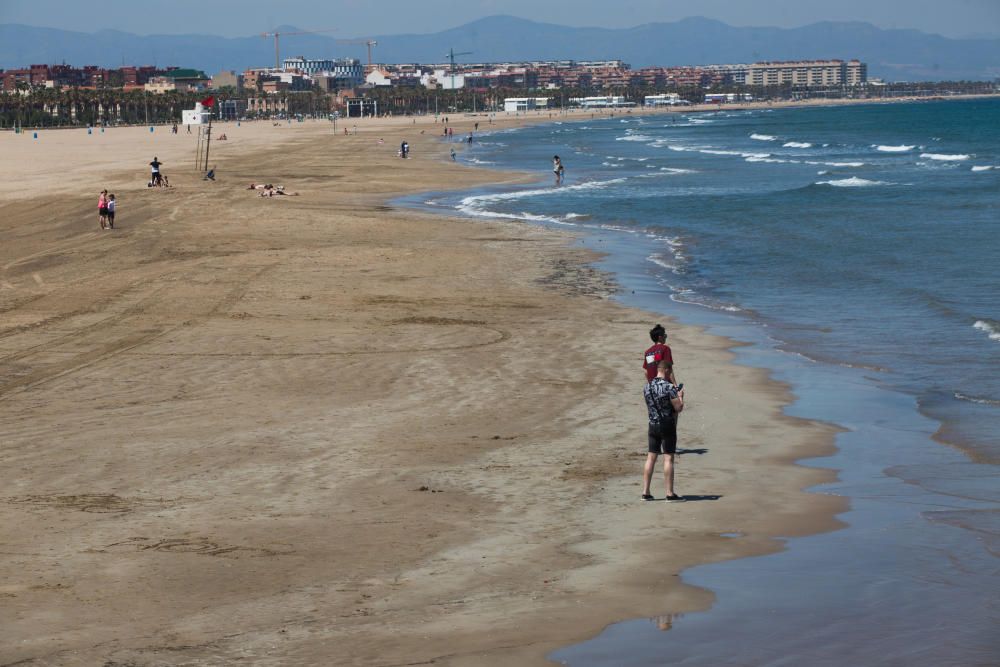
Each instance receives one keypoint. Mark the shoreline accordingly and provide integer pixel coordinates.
(442, 602)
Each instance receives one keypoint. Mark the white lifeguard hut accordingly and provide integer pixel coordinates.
(201, 117)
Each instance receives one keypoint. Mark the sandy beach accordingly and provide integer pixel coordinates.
(324, 430)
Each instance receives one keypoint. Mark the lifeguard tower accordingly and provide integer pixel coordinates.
(201, 117)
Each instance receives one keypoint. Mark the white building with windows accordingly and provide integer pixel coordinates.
(525, 103)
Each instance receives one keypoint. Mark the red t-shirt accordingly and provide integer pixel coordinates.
(653, 356)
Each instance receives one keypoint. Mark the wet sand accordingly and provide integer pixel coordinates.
(318, 430)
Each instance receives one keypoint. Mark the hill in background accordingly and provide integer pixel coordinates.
(895, 55)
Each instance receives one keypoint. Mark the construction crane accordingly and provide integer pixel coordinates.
(367, 42)
(276, 35)
(451, 56)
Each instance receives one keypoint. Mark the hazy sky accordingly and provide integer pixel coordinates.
(359, 18)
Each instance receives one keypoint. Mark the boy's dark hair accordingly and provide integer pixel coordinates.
(657, 333)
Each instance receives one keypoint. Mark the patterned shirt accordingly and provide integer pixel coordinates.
(658, 392)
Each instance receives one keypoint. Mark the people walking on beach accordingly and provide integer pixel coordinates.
(664, 401)
(453, 155)
(658, 352)
(404, 150)
(470, 138)
(102, 209)
(111, 211)
(154, 177)
(558, 169)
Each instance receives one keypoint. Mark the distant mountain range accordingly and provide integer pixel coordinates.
(895, 55)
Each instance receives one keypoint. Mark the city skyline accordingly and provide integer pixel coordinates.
(350, 18)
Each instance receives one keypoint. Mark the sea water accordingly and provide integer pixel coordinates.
(858, 249)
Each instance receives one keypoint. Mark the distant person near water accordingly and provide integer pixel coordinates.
(664, 402)
(558, 169)
(659, 351)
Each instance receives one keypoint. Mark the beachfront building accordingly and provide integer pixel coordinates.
(178, 79)
(340, 72)
(525, 103)
(807, 73)
(664, 100)
(601, 102)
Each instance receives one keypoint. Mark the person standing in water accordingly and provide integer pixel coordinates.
(558, 169)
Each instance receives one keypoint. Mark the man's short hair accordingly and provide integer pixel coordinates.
(657, 332)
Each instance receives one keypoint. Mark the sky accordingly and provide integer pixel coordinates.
(362, 18)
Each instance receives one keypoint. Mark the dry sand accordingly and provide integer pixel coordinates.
(318, 430)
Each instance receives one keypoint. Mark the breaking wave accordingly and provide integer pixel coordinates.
(895, 149)
(941, 156)
(989, 327)
(852, 182)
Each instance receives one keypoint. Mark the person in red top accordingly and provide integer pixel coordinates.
(660, 351)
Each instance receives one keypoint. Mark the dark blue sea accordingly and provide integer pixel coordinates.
(858, 250)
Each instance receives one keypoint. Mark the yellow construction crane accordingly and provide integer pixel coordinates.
(276, 35)
(368, 42)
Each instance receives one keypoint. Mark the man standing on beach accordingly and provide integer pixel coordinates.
(154, 177)
(659, 351)
(664, 402)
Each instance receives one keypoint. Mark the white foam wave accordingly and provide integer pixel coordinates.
(675, 170)
(895, 149)
(984, 167)
(475, 160)
(763, 137)
(477, 204)
(852, 182)
(635, 137)
(844, 164)
(976, 399)
(612, 164)
(991, 329)
(771, 160)
(663, 262)
(699, 121)
(944, 157)
(797, 144)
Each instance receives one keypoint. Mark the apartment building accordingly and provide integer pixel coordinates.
(807, 73)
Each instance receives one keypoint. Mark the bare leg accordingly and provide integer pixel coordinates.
(647, 472)
(668, 473)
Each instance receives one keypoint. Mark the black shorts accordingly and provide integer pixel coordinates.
(102, 211)
(663, 437)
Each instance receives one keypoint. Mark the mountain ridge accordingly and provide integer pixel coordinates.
(896, 54)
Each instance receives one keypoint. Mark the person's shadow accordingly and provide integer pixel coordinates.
(699, 450)
(692, 499)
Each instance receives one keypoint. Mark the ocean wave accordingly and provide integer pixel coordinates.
(476, 204)
(894, 149)
(843, 164)
(635, 137)
(612, 164)
(771, 160)
(976, 399)
(576, 216)
(475, 160)
(662, 261)
(852, 182)
(984, 167)
(763, 137)
(797, 144)
(942, 156)
(699, 121)
(676, 170)
(989, 327)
